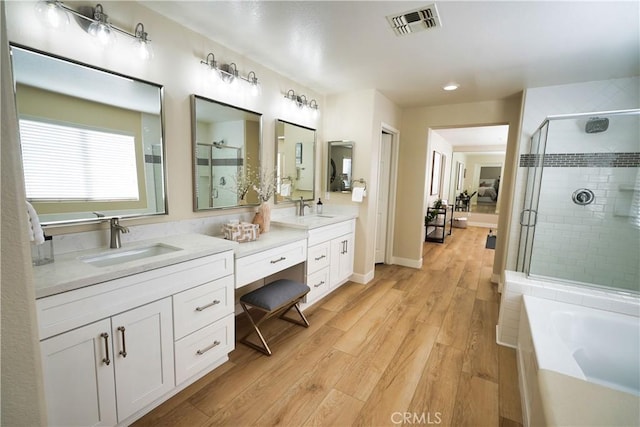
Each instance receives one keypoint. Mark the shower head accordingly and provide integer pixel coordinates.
(218, 144)
(596, 125)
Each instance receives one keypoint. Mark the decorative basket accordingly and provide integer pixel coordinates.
(241, 232)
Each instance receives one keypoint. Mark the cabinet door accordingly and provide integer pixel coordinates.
(341, 259)
(78, 377)
(143, 346)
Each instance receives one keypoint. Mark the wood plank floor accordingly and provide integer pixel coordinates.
(413, 347)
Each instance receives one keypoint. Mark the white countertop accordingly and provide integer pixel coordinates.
(68, 272)
(309, 222)
(277, 236)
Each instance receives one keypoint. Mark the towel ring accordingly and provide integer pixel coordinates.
(361, 181)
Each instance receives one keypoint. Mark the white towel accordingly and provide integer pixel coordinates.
(36, 235)
(285, 190)
(357, 194)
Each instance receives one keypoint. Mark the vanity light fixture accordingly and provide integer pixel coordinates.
(301, 102)
(52, 14)
(145, 50)
(229, 74)
(100, 28)
(56, 14)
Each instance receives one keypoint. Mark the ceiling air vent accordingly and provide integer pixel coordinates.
(416, 20)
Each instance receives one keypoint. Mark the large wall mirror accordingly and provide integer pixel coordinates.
(92, 140)
(340, 166)
(295, 162)
(226, 147)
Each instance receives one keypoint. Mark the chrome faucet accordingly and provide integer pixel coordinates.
(116, 229)
(301, 206)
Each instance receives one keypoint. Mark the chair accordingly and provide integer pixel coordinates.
(275, 298)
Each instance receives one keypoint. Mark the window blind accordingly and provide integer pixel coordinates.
(63, 162)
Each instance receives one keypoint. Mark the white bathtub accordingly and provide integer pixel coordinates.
(578, 365)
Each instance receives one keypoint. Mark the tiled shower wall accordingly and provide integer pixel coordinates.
(542, 102)
(596, 243)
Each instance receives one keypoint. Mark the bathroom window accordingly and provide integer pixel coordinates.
(64, 162)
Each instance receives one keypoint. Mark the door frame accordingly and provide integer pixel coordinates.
(393, 181)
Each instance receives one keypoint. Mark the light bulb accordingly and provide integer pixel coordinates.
(51, 13)
(145, 50)
(102, 33)
(100, 28)
(255, 89)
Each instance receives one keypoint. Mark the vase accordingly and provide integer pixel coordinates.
(265, 210)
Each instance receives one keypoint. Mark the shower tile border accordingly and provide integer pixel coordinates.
(581, 160)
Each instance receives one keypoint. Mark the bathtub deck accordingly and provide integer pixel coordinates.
(412, 341)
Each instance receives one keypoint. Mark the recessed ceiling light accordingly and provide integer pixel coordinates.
(451, 86)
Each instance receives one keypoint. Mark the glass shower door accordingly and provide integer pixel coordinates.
(528, 216)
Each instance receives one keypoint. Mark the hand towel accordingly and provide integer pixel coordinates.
(357, 194)
(285, 189)
(36, 235)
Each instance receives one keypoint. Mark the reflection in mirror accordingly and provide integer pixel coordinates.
(475, 181)
(295, 162)
(340, 166)
(226, 147)
(92, 140)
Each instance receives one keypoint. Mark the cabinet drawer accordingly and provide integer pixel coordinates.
(202, 305)
(319, 284)
(318, 257)
(329, 232)
(204, 347)
(253, 267)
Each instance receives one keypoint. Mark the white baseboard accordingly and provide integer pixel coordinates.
(406, 262)
(502, 343)
(363, 278)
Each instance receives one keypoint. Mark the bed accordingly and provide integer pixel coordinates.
(488, 190)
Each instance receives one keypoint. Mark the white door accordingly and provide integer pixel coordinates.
(382, 210)
(78, 377)
(143, 346)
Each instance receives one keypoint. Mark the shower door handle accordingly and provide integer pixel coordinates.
(535, 218)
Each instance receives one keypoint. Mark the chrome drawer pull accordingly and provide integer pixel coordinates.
(106, 348)
(123, 353)
(319, 284)
(211, 304)
(274, 261)
(204, 350)
(320, 257)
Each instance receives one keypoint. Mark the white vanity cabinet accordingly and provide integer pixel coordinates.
(134, 347)
(113, 350)
(329, 258)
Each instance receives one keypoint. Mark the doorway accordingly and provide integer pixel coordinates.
(386, 195)
(478, 154)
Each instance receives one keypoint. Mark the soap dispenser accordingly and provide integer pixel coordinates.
(319, 207)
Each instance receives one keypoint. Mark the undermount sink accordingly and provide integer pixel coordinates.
(107, 259)
(325, 216)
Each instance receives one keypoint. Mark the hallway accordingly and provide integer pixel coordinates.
(412, 345)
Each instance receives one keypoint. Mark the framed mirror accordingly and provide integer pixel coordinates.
(295, 162)
(340, 166)
(226, 154)
(92, 140)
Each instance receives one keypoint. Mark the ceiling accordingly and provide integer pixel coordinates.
(491, 49)
(477, 136)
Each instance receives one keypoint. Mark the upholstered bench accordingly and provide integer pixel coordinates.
(275, 298)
